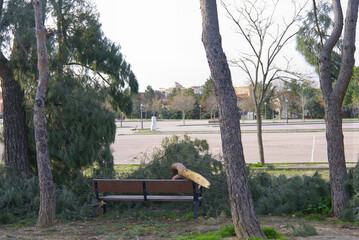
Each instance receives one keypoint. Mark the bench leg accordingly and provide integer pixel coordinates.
(104, 208)
(195, 209)
(94, 211)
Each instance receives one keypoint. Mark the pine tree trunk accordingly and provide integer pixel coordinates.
(244, 218)
(259, 136)
(334, 95)
(336, 157)
(14, 124)
(46, 215)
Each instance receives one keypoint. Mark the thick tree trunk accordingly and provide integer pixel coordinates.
(14, 123)
(46, 216)
(336, 157)
(259, 136)
(333, 97)
(244, 218)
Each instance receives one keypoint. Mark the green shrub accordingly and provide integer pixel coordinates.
(20, 198)
(194, 155)
(323, 207)
(303, 230)
(351, 213)
(278, 195)
(227, 231)
(271, 233)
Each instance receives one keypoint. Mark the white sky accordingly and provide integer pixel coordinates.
(161, 39)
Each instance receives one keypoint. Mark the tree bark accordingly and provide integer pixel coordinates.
(333, 97)
(244, 218)
(14, 121)
(336, 157)
(259, 136)
(14, 124)
(46, 215)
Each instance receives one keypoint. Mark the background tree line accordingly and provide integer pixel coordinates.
(304, 101)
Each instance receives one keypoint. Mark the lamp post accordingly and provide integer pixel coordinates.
(286, 105)
(200, 112)
(141, 105)
(265, 110)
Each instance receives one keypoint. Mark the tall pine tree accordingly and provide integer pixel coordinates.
(88, 73)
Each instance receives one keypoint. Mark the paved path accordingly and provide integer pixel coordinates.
(281, 141)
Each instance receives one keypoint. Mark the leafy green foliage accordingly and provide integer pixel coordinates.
(352, 94)
(271, 233)
(351, 213)
(227, 231)
(323, 207)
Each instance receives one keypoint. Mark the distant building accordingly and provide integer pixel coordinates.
(242, 92)
(197, 89)
(179, 86)
(165, 91)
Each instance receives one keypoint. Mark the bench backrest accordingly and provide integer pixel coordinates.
(138, 186)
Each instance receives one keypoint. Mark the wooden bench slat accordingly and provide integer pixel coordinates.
(172, 186)
(135, 186)
(152, 198)
(123, 187)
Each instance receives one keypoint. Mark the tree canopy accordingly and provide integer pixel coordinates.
(88, 73)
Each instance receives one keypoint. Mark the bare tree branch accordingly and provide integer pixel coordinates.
(317, 22)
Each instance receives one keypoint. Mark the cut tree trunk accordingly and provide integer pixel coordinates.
(46, 215)
(180, 171)
(245, 220)
(14, 124)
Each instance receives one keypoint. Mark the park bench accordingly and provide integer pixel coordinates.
(146, 190)
(213, 121)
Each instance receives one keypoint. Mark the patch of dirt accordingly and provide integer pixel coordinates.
(166, 228)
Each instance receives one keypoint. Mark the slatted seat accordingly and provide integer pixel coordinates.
(155, 190)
